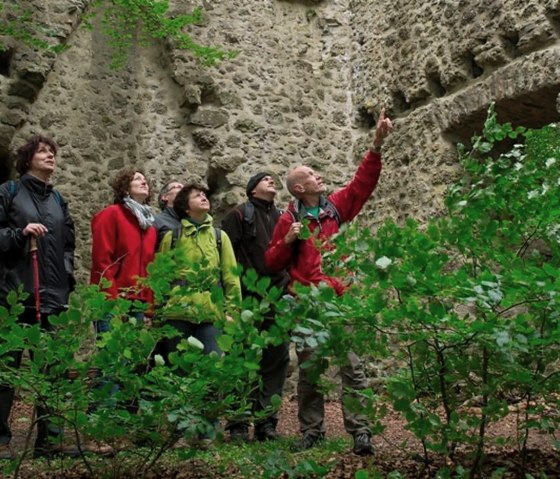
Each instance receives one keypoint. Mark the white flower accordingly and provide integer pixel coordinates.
(532, 194)
(550, 162)
(518, 166)
(158, 360)
(195, 343)
(383, 262)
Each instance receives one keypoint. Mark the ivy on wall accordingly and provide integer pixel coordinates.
(125, 22)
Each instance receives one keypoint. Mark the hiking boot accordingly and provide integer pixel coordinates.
(362, 444)
(239, 433)
(308, 441)
(46, 448)
(98, 448)
(266, 432)
(5, 452)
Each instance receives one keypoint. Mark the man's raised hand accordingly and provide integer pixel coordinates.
(383, 127)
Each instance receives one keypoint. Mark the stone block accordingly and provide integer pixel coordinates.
(209, 118)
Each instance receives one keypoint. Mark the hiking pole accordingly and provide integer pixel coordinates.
(35, 265)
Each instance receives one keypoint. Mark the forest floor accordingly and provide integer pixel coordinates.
(396, 450)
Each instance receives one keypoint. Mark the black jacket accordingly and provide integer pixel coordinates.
(250, 240)
(35, 202)
(166, 221)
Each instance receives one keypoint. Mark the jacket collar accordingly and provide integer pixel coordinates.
(171, 212)
(35, 185)
(260, 203)
(191, 228)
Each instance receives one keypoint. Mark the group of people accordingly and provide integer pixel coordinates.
(126, 236)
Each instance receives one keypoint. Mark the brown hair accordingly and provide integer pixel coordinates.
(121, 184)
(25, 153)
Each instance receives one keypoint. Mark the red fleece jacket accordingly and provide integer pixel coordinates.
(121, 252)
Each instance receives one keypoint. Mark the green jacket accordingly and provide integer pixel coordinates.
(202, 267)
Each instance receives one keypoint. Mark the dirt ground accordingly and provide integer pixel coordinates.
(395, 449)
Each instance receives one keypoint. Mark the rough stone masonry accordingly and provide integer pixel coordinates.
(306, 86)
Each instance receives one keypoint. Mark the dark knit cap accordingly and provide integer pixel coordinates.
(254, 181)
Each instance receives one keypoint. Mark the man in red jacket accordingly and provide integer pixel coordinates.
(303, 261)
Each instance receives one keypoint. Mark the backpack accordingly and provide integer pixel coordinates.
(248, 216)
(326, 205)
(13, 189)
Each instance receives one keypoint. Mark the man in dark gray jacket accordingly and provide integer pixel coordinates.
(30, 207)
(167, 220)
(250, 226)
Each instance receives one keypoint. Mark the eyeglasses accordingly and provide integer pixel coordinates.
(176, 187)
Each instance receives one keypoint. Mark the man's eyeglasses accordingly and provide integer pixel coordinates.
(171, 188)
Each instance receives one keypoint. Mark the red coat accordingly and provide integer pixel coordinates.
(121, 252)
(305, 267)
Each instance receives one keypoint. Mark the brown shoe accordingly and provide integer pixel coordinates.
(95, 447)
(50, 450)
(6, 452)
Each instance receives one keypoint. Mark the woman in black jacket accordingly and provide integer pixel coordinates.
(30, 207)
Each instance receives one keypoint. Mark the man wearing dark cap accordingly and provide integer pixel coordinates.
(250, 227)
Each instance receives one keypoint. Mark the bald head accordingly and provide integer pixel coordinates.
(303, 182)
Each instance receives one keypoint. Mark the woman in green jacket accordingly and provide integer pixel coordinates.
(205, 260)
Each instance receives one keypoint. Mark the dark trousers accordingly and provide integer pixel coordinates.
(206, 333)
(100, 327)
(273, 369)
(7, 393)
(311, 405)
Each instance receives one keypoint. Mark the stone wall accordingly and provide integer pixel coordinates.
(306, 86)
(437, 65)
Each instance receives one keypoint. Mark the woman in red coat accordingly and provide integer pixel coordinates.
(124, 239)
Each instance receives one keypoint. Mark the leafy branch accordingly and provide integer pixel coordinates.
(125, 22)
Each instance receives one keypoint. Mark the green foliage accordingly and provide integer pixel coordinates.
(18, 24)
(468, 303)
(122, 391)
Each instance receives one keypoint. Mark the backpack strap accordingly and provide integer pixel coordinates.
(246, 212)
(13, 188)
(176, 234)
(329, 208)
(58, 197)
(249, 212)
(218, 235)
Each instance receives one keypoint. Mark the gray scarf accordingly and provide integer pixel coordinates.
(142, 212)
